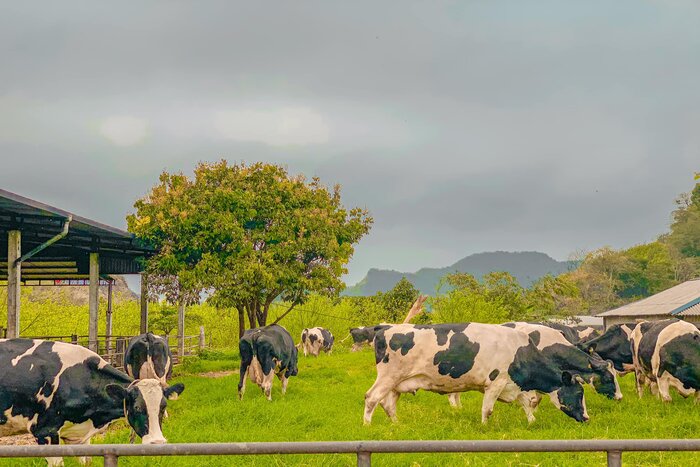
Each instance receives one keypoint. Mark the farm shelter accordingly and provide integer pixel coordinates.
(681, 301)
(44, 245)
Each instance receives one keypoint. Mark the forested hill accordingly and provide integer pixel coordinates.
(525, 266)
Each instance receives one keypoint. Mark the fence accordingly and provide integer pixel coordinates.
(362, 449)
(112, 348)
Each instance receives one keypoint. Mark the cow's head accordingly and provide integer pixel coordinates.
(604, 379)
(569, 398)
(614, 344)
(144, 403)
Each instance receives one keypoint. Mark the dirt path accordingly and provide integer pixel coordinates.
(218, 374)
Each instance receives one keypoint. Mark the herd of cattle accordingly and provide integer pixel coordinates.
(61, 392)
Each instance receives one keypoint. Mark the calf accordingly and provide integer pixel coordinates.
(313, 340)
(666, 354)
(267, 351)
(63, 392)
(148, 357)
(614, 345)
(501, 362)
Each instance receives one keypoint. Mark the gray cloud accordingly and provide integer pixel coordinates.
(463, 126)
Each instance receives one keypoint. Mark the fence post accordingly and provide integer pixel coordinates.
(364, 459)
(119, 357)
(111, 460)
(614, 458)
(202, 339)
(74, 339)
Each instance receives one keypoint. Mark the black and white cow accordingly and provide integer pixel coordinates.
(568, 332)
(313, 340)
(364, 336)
(148, 357)
(666, 355)
(614, 345)
(501, 362)
(267, 351)
(63, 392)
(586, 333)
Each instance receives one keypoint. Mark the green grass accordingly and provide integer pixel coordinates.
(325, 402)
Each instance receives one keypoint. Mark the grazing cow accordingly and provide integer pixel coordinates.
(364, 336)
(614, 345)
(313, 340)
(148, 357)
(267, 351)
(63, 392)
(501, 362)
(568, 332)
(599, 373)
(666, 354)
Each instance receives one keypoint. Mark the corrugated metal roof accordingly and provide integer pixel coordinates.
(691, 311)
(666, 302)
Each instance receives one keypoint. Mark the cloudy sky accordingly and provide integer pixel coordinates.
(464, 126)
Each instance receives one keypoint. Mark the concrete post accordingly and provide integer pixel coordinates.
(144, 303)
(94, 300)
(108, 325)
(14, 278)
(181, 330)
(202, 338)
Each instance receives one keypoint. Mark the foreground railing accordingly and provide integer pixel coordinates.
(362, 449)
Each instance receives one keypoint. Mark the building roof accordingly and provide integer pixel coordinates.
(679, 300)
(120, 251)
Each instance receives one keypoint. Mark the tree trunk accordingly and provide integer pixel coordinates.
(251, 316)
(241, 322)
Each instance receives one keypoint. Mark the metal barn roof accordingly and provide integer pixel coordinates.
(681, 300)
(67, 259)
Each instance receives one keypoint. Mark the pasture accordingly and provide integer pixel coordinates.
(325, 402)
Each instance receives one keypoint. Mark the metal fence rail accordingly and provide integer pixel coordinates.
(362, 449)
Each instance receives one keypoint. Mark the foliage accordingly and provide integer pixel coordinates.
(249, 235)
(685, 229)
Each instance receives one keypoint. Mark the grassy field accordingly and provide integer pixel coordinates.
(325, 402)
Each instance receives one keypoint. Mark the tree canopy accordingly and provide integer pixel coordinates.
(248, 235)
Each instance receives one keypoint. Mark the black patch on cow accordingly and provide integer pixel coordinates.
(327, 339)
(148, 345)
(568, 332)
(535, 337)
(303, 335)
(613, 345)
(458, 358)
(442, 331)
(313, 338)
(380, 354)
(681, 358)
(650, 336)
(509, 325)
(494, 374)
(402, 341)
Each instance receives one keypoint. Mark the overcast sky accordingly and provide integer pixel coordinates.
(463, 126)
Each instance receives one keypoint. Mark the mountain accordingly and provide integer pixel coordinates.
(525, 266)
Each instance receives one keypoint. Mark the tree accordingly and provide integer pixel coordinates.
(249, 235)
(685, 229)
(397, 301)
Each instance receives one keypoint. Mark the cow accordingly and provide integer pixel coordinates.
(267, 351)
(501, 362)
(666, 354)
(364, 336)
(568, 332)
(586, 333)
(614, 345)
(148, 357)
(313, 340)
(61, 392)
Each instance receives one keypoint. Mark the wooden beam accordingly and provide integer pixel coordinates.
(94, 300)
(108, 326)
(144, 304)
(14, 251)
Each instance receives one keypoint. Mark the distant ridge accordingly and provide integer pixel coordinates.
(525, 266)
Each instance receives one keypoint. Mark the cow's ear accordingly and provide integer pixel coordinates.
(173, 391)
(116, 392)
(567, 378)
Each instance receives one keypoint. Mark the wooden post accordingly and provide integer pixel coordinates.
(144, 303)
(108, 326)
(94, 300)
(181, 330)
(202, 338)
(14, 280)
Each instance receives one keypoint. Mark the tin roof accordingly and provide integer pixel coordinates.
(677, 300)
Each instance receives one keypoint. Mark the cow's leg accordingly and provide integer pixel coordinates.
(44, 437)
(284, 380)
(529, 404)
(663, 386)
(267, 384)
(455, 400)
(305, 348)
(245, 366)
(491, 394)
(639, 381)
(389, 404)
(377, 393)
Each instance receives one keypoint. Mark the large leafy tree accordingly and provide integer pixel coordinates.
(248, 235)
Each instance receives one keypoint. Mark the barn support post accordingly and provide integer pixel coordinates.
(94, 300)
(144, 303)
(108, 325)
(14, 279)
(181, 330)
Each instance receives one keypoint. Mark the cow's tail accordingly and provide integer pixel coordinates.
(346, 338)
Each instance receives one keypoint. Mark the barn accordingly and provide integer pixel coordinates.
(681, 301)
